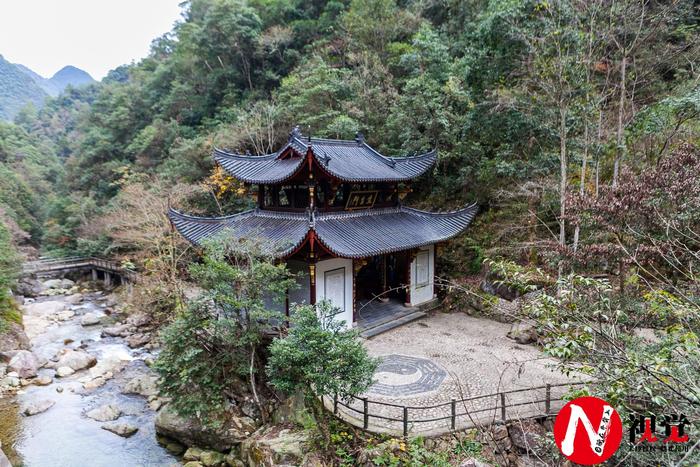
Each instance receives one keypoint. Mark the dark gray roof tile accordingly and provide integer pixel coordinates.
(356, 234)
(348, 160)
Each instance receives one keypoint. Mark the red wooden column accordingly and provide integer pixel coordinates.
(312, 267)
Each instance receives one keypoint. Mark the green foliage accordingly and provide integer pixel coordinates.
(9, 268)
(515, 276)
(320, 357)
(591, 331)
(213, 344)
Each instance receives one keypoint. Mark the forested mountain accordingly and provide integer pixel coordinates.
(20, 86)
(17, 89)
(575, 126)
(527, 103)
(66, 76)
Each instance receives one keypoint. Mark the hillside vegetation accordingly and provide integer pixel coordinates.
(574, 124)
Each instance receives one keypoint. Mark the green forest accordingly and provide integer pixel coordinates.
(574, 124)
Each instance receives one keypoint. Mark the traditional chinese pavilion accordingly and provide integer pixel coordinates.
(332, 210)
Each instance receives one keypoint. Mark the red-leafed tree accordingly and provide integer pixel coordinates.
(649, 221)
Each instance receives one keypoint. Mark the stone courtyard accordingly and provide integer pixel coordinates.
(428, 362)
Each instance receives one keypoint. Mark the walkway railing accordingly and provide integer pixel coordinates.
(76, 262)
(357, 410)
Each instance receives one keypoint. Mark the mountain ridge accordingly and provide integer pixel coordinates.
(20, 85)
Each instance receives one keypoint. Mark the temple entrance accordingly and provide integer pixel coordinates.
(382, 279)
(380, 291)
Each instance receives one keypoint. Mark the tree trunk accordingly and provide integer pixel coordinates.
(620, 118)
(562, 183)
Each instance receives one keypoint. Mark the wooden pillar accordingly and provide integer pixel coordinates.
(312, 267)
(94, 275)
(312, 282)
(108, 279)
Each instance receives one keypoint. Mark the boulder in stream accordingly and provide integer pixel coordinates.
(145, 385)
(90, 319)
(190, 431)
(37, 407)
(75, 359)
(24, 363)
(122, 429)
(49, 307)
(74, 299)
(64, 371)
(43, 380)
(105, 413)
(119, 330)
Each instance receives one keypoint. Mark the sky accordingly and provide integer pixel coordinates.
(94, 35)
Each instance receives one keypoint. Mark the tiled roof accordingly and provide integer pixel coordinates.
(360, 234)
(282, 232)
(348, 160)
(356, 234)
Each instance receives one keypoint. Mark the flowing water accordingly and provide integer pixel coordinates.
(63, 435)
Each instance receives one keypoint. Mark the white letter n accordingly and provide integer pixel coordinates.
(577, 414)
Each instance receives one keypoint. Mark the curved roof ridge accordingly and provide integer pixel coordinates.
(222, 153)
(357, 213)
(181, 215)
(425, 155)
(472, 207)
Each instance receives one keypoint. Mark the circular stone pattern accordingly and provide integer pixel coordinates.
(403, 375)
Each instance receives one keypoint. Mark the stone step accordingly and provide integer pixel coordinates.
(388, 325)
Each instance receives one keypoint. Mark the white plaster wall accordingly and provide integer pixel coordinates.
(330, 265)
(421, 293)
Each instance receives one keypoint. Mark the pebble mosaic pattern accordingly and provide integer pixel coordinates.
(403, 375)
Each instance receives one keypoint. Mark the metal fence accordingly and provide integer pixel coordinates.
(500, 406)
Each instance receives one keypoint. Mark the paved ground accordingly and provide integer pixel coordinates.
(430, 361)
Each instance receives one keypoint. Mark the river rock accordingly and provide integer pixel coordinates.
(194, 464)
(13, 338)
(192, 454)
(65, 315)
(24, 363)
(190, 431)
(122, 429)
(75, 359)
(64, 371)
(145, 385)
(90, 319)
(74, 299)
(119, 330)
(105, 413)
(523, 332)
(138, 340)
(49, 307)
(11, 381)
(211, 458)
(274, 446)
(43, 380)
(52, 284)
(38, 407)
(28, 287)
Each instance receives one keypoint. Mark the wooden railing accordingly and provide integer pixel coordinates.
(46, 265)
(457, 410)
